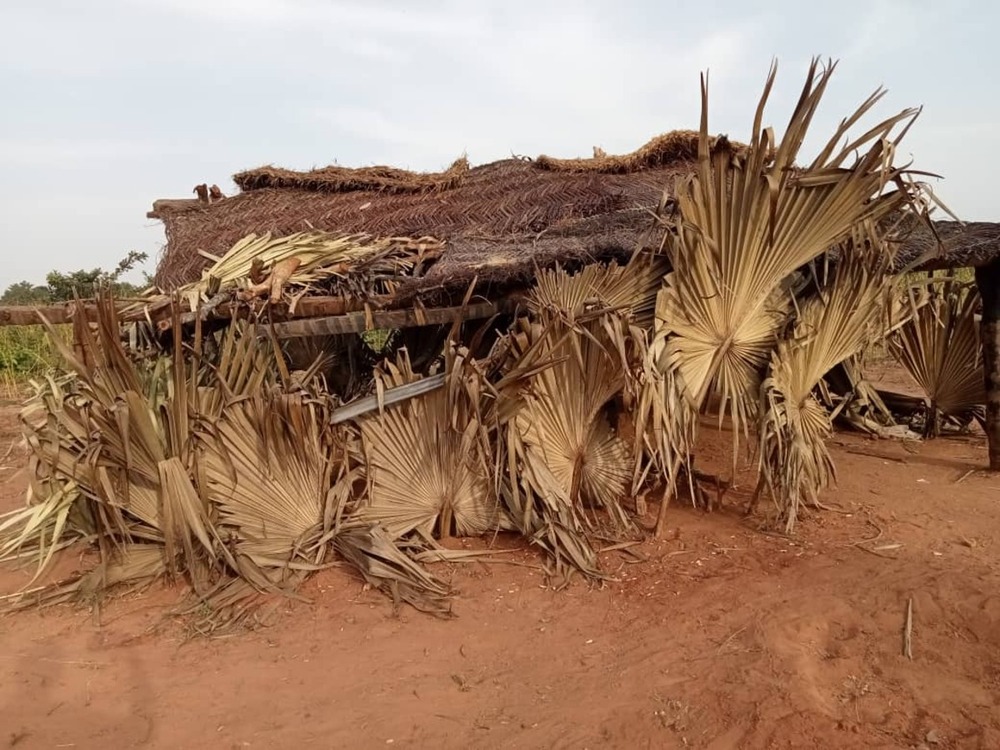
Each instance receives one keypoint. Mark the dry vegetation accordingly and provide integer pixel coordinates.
(940, 348)
(210, 459)
(26, 353)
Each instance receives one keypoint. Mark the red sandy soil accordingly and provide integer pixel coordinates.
(718, 636)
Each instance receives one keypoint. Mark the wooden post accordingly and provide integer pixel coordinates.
(988, 281)
(81, 333)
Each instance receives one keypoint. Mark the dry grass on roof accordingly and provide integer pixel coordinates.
(668, 148)
(950, 245)
(336, 179)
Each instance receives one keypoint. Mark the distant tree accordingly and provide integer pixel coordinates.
(62, 287)
(26, 293)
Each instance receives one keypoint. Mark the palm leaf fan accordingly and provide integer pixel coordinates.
(747, 220)
(628, 289)
(583, 325)
(940, 348)
(848, 312)
(428, 466)
(269, 469)
(562, 424)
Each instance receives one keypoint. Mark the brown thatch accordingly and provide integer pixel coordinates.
(951, 245)
(499, 220)
(336, 179)
(669, 148)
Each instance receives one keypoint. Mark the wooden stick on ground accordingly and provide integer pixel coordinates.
(908, 631)
(965, 476)
(877, 454)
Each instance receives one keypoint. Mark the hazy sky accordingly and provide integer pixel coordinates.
(106, 105)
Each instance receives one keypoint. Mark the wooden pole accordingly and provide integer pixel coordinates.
(359, 322)
(27, 315)
(988, 281)
(307, 307)
(58, 314)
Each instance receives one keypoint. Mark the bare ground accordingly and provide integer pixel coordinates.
(717, 637)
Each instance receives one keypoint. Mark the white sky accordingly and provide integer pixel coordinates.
(106, 105)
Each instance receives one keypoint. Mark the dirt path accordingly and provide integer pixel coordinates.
(721, 638)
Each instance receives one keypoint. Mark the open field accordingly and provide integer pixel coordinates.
(718, 636)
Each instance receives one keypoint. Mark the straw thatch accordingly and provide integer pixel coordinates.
(663, 150)
(951, 245)
(335, 179)
(499, 220)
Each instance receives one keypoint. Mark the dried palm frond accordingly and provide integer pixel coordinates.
(242, 365)
(109, 450)
(107, 447)
(665, 423)
(940, 348)
(370, 549)
(849, 311)
(196, 466)
(740, 229)
(628, 289)
(131, 564)
(561, 426)
(745, 221)
(307, 258)
(427, 459)
(42, 528)
(271, 470)
(563, 456)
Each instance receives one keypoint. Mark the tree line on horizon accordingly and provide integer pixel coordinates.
(61, 286)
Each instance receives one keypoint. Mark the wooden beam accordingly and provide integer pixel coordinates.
(28, 315)
(988, 281)
(58, 314)
(359, 322)
(307, 307)
(313, 316)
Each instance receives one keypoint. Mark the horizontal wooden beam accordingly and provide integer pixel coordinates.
(307, 307)
(312, 316)
(359, 322)
(29, 315)
(61, 313)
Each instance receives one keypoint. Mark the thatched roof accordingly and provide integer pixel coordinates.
(952, 245)
(499, 220)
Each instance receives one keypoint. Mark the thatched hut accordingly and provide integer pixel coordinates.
(554, 423)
